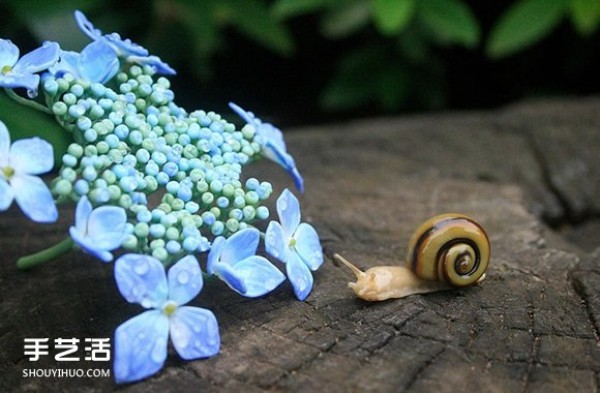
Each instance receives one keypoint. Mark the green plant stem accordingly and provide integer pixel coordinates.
(32, 104)
(46, 255)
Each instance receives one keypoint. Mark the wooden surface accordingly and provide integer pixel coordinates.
(532, 326)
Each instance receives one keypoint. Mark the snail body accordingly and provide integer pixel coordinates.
(446, 251)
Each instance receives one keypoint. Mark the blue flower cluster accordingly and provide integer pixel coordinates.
(163, 184)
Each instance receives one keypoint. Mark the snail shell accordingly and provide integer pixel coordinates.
(451, 248)
(448, 250)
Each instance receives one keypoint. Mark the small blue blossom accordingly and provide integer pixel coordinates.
(97, 62)
(141, 342)
(234, 261)
(99, 231)
(18, 165)
(294, 243)
(125, 48)
(15, 72)
(122, 47)
(273, 145)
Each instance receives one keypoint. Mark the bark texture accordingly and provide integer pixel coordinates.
(532, 326)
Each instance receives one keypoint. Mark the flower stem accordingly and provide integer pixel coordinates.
(38, 258)
(30, 103)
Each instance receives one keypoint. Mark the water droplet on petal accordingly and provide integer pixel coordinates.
(137, 291)
(212, 340)
(141, 268)
(183, 277)
(301, 284)
(146, 303)
(158, 351)
(182, 336)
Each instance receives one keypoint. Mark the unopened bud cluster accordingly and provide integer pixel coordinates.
(178, 175)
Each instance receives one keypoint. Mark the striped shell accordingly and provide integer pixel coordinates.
(451, 248)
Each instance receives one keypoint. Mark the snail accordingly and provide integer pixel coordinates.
(447, 251)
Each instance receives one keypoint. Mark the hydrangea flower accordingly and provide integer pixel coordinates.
(18, 165)
(125, 48)
(15, 72)
(97, 62)
(294, 243)
(273, 145)
(98, 231)
(234, 261)
(141, 342)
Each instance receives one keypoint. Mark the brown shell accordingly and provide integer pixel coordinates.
(451, 248)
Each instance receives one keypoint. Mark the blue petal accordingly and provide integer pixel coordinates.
(34, 198)
(240, 245)
(185, 280)
(228, 274)
(4, 144)
(141, 279)
(106, 227)
(247, 116)
(39, 59)
(194, 332)
(6, 195)
(288, 210)
(68, 64)
(82, 214)
(269, 133)
(140, 346)
(86, 26)
(27, 81)
(33, 156)
(308, 246)
(271, 139)
(89, 246)
(297, 178)
(258, 275)
(276, 243)
(300, 277)
(214, 254)
(9, 53)
(125, 47)
(286, 161)
(98, 62)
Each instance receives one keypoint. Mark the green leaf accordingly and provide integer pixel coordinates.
(451, 21)
(391, 16)
(255, 20)
(23, 122)
(370, 75)
(393, 87)
(206, 34)
(355, 80)
(344, 20)
(585, 15)
(290, 8)
(524, 24)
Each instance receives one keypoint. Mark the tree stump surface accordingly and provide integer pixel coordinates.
(531, 326)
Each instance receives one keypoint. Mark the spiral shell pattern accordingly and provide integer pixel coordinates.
(451, 248)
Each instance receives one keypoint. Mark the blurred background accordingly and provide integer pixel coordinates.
(305, 62)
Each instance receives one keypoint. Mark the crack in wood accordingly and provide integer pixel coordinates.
(535, 345)
(428, 363)
(580, 290)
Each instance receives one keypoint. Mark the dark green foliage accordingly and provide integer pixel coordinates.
(384, 55)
